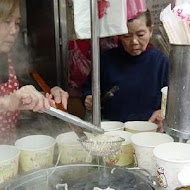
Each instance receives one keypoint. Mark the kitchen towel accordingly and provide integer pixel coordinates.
(112, 16)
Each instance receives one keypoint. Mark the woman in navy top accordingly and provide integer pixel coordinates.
(138, 69)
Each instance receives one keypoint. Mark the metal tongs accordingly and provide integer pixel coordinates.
(75, 123)
(72, 119)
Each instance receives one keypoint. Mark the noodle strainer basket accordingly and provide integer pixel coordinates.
(101, 148)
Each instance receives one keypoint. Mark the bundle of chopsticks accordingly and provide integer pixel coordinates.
(176, 25)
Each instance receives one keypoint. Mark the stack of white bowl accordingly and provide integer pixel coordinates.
(70, 149)
(9, 157)
(140, 126)
(125, 156)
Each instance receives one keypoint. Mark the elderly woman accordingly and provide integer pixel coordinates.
(13, 99)
(138, 69)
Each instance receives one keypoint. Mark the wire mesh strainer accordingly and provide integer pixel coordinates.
(98, 147)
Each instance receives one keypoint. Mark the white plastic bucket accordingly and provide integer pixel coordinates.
(164, 100)
(171, 158)
(112, 125)
(140, 126)
(143, 144)
(125, 156)
(37, 152)
(9, 156)
(70, 149)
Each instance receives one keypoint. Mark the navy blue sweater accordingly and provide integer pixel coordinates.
(140, 79)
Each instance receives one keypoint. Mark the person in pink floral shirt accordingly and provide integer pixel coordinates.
(13, 99)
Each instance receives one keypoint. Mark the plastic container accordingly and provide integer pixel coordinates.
(143, 144)
(140, 126)
(112, 126)
(171, 158)
(37, 152)
(70, 149)
(125, 156)
(9, 156)
(164, 100)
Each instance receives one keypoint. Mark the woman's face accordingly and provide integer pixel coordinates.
(9, 30)
(138, 37)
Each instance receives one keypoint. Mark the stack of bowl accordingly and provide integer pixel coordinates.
(125, 156)
(140, 126)
(36, 152)
(143, 144)
(173, 165)
(112, 126)
(8, 162)
(70, 149)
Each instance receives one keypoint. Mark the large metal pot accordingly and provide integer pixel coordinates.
(83, 177)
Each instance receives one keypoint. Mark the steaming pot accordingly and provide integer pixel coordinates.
(83, 177)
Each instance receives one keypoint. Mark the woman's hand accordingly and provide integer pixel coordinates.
(9, 103)
(26, 98)
(157, 119)
(88, 102)
(31, 99)
(59, 96)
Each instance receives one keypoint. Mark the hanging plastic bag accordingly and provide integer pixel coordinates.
(79, 65)
(112, 18)
(135, 7)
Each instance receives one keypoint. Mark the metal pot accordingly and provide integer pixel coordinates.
(84, 177)
(177, 122)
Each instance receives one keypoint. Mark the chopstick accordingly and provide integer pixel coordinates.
(40, 81)
(44, 86)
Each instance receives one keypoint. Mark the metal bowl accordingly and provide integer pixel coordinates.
(83, 177)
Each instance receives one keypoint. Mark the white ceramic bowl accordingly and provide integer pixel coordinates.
(112, 126)
(171, 158)
(37, 152)
(143, 144)
(140, 126)
(70, 149)
(9, 156)
(125, 156)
